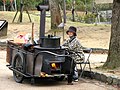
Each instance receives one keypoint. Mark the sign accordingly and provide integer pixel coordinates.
(103, 1)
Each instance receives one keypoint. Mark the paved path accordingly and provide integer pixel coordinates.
(7, 82)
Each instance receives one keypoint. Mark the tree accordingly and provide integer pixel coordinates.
(4, 3)
(15, 4)
(73, 10)
(11, 4)
(23, 6)
(113, 59)
(56, 18)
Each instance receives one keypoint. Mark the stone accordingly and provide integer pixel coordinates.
(98, 76)
(103, 78)
(109, 80)
(87, 74)
(92, 75)
(115, 80)
(118, 83)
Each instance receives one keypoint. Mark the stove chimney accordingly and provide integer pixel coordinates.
(42, 9)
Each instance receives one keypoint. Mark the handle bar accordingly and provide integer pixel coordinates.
(57, 55)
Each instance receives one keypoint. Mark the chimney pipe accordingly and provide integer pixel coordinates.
(43, 9)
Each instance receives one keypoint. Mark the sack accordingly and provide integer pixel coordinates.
(21, 38)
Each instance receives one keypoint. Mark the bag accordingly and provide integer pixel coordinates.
(21, 38)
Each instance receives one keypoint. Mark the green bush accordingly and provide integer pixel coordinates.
(104, 7)
(80, 18)
(80, 8)
(89, 18)
(102, 19)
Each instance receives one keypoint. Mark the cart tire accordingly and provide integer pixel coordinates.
(19, 66)
(59, 78)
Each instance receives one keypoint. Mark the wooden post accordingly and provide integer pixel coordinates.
(32, 36)
(21, 10)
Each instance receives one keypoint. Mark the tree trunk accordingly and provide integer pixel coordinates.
(11, 5)
(73, 10)
(4, 5)
(113, 59)
(56, 18)
(15, 4)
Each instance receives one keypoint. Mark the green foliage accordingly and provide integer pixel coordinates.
(104, 7)
(1, 3)
(89, 18)
(102, 19)
(80, 5)
(30, 3)
(80, 18)
(87, 1)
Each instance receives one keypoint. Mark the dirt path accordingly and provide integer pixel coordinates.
(8, 83)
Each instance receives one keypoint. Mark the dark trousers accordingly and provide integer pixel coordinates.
(70, 76)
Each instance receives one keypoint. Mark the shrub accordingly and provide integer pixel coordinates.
(89, 18)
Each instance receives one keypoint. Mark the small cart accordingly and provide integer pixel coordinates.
(37, 62)
(46, 59)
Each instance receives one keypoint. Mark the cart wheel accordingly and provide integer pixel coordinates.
(59, 78)
(19, 66)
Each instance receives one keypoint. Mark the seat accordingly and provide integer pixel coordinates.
(85, 61)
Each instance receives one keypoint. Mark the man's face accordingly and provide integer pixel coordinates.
(70, 34)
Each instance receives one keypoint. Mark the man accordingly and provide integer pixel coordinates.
(74, 46)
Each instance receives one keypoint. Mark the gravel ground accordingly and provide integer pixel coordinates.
(8, 83)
